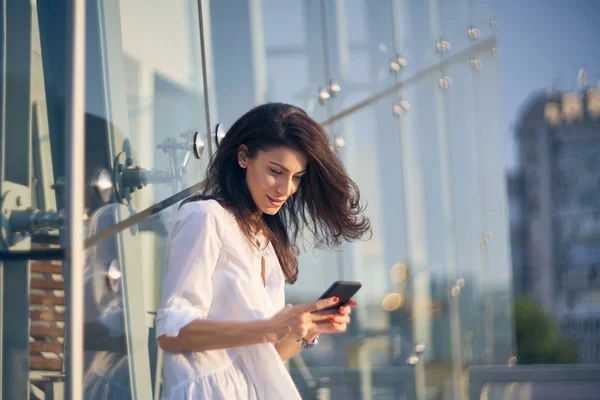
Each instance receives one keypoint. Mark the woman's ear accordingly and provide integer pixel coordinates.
(242, 156)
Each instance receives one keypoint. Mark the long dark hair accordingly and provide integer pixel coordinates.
(327, 201)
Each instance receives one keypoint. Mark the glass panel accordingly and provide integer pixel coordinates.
(498, 278)
(467, 201)
(106, 352)
(361, 47)
(482, 16)
(145, 103)
(436, 275)
(416, 32)
(370, 360)
(145, 96)
(433, 268)
(427, 263)
(265, 51)
(471, 104)
(454, 23)
(427, 283)
(464, 21)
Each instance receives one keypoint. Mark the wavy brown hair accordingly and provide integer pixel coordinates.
(327, 201)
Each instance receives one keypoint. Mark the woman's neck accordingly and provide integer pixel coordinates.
(256, 221)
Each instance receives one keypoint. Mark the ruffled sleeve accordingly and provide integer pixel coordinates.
(186, 286)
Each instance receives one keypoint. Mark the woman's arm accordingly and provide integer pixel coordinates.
(288, 348)
(285, 326)
(203, 334)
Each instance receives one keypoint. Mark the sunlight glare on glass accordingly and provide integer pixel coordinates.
(392, 301)
(398, 273)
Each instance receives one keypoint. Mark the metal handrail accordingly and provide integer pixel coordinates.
(459, 56)
(480, 375)
(142, 216)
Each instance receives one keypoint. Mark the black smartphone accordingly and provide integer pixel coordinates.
(342, 289)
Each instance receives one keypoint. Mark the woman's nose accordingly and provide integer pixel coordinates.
(284, 187)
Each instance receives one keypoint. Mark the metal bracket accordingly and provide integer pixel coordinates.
(398, 64)
(100, 182)
(14, 200)
(128, 178)
(18, 220)
(31, 221)
(326, 93)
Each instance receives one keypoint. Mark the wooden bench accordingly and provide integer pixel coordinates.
(46, 313)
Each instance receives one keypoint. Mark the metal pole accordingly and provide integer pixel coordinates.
(75, 169)
(209, 129)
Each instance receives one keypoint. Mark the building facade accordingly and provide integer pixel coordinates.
(559, 136)
(408, 92)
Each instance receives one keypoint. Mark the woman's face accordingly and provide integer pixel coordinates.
(272, 176)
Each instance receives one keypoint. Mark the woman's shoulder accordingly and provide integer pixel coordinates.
(204, 216)
(203, 208)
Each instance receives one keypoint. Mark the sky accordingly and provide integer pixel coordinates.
(543, 43)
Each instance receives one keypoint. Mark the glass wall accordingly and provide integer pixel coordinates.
(407, 91)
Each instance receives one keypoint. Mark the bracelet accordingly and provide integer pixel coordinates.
(305, 344)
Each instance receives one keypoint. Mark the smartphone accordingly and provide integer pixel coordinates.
(342, 289)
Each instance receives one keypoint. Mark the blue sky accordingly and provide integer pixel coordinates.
(543, 42)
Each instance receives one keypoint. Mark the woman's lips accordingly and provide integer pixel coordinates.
(275, 203)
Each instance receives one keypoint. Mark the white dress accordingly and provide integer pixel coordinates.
(213, 272)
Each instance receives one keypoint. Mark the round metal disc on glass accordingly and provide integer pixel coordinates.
(103, 185)
(419, 348)
(113, 275)
(219, 133)
(198, 145)
(412, 360)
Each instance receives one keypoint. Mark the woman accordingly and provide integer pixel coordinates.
(222, 321)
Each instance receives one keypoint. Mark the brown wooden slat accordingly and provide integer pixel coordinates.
(45, 331)
(45, 364)
(46, 316)
(47, 300)
(50, 347)
(46, 268)
(46, 284)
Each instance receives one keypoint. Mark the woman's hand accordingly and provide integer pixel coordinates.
(312, 324)
(297, 321)
(332, 321)
(310, 320)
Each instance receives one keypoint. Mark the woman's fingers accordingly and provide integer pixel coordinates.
(345, 310)
(333, 321)
(320, 304)
(323, 327)
(322, 315)
(337, 318)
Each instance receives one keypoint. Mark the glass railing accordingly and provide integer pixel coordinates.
(409, 98)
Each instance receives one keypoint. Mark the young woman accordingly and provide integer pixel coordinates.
(223, 322)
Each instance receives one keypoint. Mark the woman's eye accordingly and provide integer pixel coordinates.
(298, 178)
(274, 171)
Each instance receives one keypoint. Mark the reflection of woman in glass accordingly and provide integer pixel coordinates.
(222, 321)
